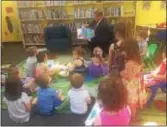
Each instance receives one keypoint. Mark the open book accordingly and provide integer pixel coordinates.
(97, 108)
(85, 33)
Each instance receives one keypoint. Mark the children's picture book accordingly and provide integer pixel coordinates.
(85, 33)
(97, 108)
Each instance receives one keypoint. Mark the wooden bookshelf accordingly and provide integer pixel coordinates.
(41, 14)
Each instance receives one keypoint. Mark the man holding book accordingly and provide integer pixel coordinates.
(104, 34)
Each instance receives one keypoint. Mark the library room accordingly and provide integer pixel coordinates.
(83, 63)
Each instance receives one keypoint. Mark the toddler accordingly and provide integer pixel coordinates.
(142, 38)
(78, 59)
(97, 67)
(157, 78)
(116, 59)
(31, 61)
(27, 83)
(18, 103)
(47, 98)
(78, 95)
(113, 95)
(42, 66)
(131, 75)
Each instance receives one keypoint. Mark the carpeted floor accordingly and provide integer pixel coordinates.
(15, 53)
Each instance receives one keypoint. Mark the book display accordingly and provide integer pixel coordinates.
(36, 15)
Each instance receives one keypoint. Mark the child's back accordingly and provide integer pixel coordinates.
(31, 62)
(122, 118)
(48, 98)
(18, 103)
(47, 101)
(17, 110)
(78, 95)
(78, 100)
(31, 66)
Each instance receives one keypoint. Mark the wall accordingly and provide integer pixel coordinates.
(10, 25)
(152, 16)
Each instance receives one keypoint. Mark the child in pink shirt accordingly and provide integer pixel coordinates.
(113, 95)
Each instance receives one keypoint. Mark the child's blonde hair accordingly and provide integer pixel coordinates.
(76, 80)
(42, 80)
(79, 51)
(32, 50)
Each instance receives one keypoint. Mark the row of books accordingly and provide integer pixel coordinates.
(34, 39)
(72, 26)
(38, 14)
(82, 2)
(33, 14)
(113, 11)
(54, 3)
(83, 13)
(32, 28)
(29, 3)
(55, 14)
(40, 3)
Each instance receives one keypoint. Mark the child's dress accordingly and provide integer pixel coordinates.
(98, 70)
(80, 69)
(136, 89)
(117, 61)
(122, 118)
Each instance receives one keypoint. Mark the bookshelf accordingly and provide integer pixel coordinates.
(34, 16)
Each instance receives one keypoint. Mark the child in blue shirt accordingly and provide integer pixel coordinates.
(47, 98)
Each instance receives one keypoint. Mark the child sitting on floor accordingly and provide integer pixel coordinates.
(142, 37)
(157, 78)
(113, 95)
(18, 103)
(42, 66)
(78, 59)
(27, 82)
(31, 61)
(47, 98)
(78, 95)
(97, 67)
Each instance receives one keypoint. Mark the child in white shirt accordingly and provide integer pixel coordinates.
(18, 102)
(78, 95)
(142, 38)
(31, 61)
